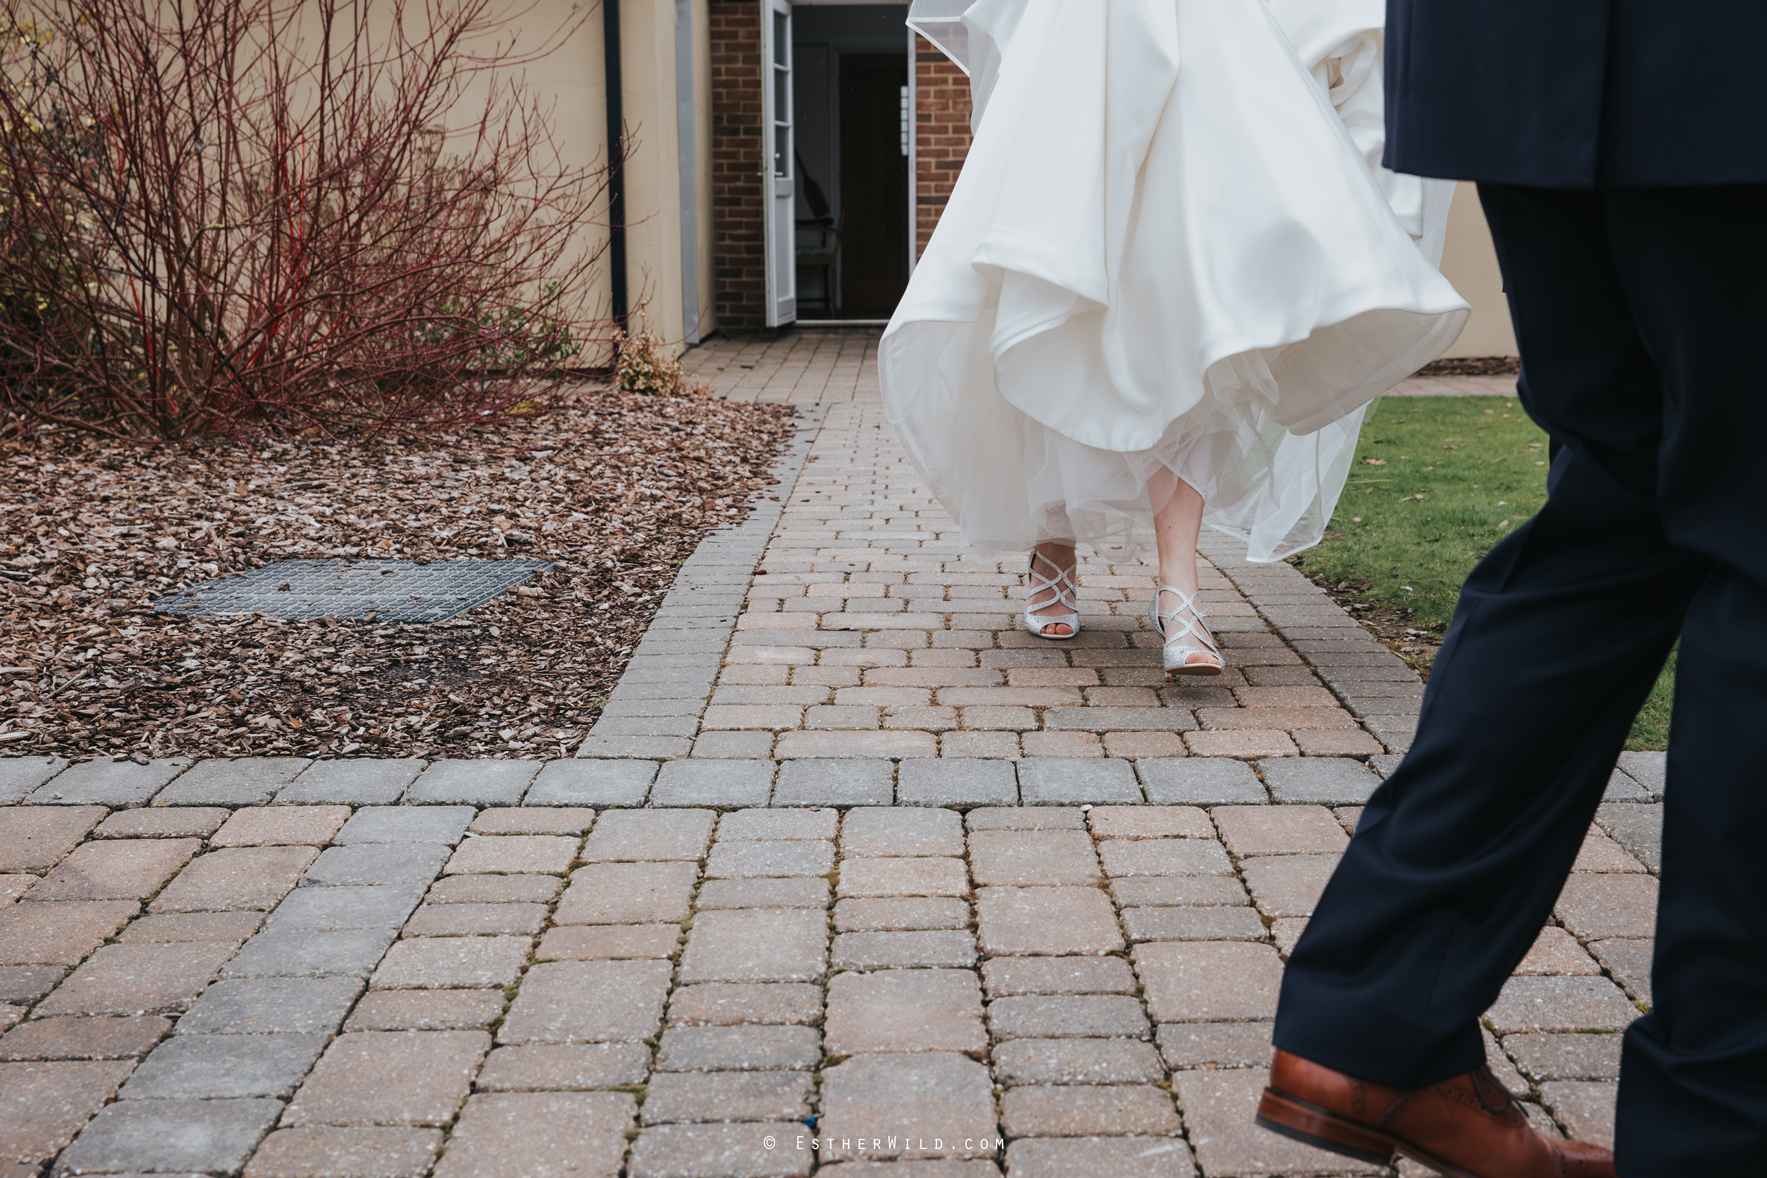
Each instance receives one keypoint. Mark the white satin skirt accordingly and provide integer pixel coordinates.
(1164, 259)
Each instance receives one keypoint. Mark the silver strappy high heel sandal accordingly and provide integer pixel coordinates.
(1066, 593)
(1177, 650)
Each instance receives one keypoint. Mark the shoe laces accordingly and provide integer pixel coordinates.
(1484, 1083)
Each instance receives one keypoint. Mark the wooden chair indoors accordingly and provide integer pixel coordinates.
(825, 256)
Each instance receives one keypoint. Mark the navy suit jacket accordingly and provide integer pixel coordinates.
(1578, 93)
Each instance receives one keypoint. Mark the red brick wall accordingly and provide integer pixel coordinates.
(941, 138)
(738, 201)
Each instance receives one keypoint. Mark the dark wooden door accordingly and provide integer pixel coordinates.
(874, 184)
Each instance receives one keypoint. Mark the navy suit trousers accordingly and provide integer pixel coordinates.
(1640, 315)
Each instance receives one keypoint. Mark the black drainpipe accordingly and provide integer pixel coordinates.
(616, 160)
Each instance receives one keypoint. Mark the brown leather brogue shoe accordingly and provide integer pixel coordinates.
(1467, 1127)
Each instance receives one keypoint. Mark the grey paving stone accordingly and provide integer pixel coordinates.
(1560, 1004)
(104, 782)
(732, 1049)
(643, 730)
(310, 953)
(828, 781)
(743, 859)
(1215, 1045)
(1025, 818)
(736, 1151)
(494, 889)
(592, 783)
(426, 1010)
(1193, 924)
(209, 1067)
(1393, 731)
(1011, 976)
(477, 919)
(956, 781)
(562, 1067)
(587, 1002)
(171, 1136)
(796, 823)
(740, 745)
(1385, 763)
(1073, 1111)
(1566, 1057)
(728, 1096)
(682, 687)
(1200, 781)
(22, 985)
(443, 963)
(1362, 707)
(720, 1004)
(646, 709)
(20, 775)
(1356, 658)
(1105, 1016)
(649, 834)
(376, 863)
(899, 832)
(1318, 779)
(263, 1006)
(1648, 769)
(1178, 891)
(248, 781)
(713, 783)
(1072, 781)
(762, 893)
(529, 1134)
(352, 907)
(1108, 719)
(945, 1097)
(371, 781)
(1376, 685)
(756, 945)
(406, 824)
(1629, 960)
(1077, 1061)
(380, 1151)
(622, 746)
(1119, 1157)
(921, 949)
(479, 782)
(1637, 828)
(1621, 788)
(651, 668)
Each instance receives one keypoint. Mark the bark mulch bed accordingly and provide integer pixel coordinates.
(616, 489)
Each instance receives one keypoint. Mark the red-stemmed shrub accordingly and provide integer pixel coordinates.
(221, 216)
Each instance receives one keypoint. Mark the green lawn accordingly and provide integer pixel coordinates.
(1437, 482)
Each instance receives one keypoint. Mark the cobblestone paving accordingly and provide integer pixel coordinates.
(858, 880)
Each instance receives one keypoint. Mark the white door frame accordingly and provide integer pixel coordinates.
(913, 148)
(778, 179)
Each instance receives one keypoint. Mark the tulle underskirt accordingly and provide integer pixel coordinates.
(1011, 482)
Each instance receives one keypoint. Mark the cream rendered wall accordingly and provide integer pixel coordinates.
(572, 79)
(653, 163)
(1470, 263)
(702, 147)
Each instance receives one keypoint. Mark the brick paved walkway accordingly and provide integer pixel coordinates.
(852, 877)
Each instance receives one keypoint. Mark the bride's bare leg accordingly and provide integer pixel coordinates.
(1175, 529)
(1049, 560)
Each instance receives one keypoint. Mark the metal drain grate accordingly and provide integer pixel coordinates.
(392, 590)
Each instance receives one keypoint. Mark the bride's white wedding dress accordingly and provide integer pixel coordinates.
(1170, 254)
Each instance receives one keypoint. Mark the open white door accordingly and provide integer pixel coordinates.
(777, 176)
